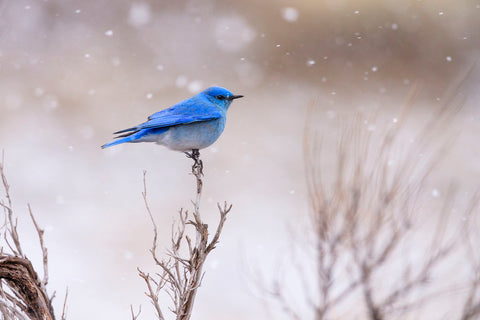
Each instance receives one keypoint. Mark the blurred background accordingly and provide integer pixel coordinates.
(72, 72)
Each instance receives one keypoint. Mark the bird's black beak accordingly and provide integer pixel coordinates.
(235, 97)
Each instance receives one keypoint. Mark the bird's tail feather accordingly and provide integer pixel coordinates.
(125, 135)
(127, 130)
(124, 138)
(136, 136)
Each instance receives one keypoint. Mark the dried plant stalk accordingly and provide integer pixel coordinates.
(362, 218)
(23, 295)
(180, 275)
(471, 306)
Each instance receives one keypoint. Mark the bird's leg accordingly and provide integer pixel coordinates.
(199, 162)
(197, 167)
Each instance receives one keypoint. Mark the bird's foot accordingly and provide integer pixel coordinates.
(197, 167)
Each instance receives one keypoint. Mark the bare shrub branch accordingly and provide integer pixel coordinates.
(364, 217)
(22, 294)
(64, 309)
(181, 272)
(135, 315)
(471, 306)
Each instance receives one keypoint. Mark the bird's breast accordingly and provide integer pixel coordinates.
(197, 135)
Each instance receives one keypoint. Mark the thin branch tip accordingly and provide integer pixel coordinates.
(181, 274)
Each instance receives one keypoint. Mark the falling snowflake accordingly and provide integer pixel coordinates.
(290, 14)
(115, 61)
(128, 255)
(139, 14)
(194, 86)
(181, 81)
(50, 102)
(59, 199)
(233, 33)
(39, 92)
(87, 132)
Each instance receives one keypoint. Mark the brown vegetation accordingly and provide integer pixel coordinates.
(181, 275)
(23, 295)
(367, 219)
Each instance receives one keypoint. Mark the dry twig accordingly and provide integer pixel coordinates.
(471, 306)
(181, 274)
(362, 218)
(23, 295)
(135, 315)
(64, 309)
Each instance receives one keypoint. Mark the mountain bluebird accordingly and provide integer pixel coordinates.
(189, 125)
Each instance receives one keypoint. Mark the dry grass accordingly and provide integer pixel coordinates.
(367, 220)
(23, 294)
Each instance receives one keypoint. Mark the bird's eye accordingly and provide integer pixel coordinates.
(220, 97)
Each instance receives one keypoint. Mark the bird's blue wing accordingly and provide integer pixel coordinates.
(188, 106)
(188, 111)
(176, 119)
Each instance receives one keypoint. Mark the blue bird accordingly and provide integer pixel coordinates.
(189, 125)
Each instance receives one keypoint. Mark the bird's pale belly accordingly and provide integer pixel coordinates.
(196, 135)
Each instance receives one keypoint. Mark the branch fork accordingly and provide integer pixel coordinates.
(181, 274)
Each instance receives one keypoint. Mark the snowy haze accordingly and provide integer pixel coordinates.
(73, 72)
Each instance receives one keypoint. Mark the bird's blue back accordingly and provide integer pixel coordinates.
(196, 108)
(208, 105)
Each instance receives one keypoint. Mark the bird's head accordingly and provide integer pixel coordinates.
(220, 96)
